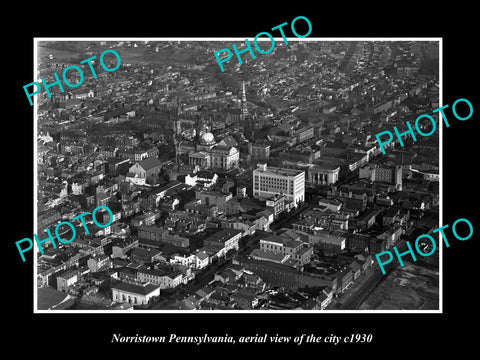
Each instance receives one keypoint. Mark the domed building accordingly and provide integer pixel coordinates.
(208, 138)
(211, 155)
(207, 141)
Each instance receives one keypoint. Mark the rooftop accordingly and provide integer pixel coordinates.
(285, 241)
(141, 289)
(150, 163)
(278, 171)
(149, 252)
(268, 255)
(223, 235)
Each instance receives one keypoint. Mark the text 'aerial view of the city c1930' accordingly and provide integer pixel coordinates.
(261, 188)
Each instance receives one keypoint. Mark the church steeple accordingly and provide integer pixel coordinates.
(244, 94)
(244, 102)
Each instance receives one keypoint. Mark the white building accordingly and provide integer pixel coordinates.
(77, 189)
(135, 294)
(99, 262)
(211, 155)
(330, 204)
(161, 278)
(323, 174)
(67, 279)
(268, 181)
(201, 260)
(390, 174)
(183, 260)
(327, 240)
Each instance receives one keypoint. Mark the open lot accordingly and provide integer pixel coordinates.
(411, 287)
(132, 55)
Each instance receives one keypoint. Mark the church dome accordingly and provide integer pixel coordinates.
(208, 138)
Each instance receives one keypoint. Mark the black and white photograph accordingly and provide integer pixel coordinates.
(257, 186)
(233, 180)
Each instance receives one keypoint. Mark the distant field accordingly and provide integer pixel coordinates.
(127, 54)
(59, 55)
(164, 56)
(412, 287)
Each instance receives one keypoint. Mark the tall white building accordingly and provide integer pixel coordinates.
(268, 181)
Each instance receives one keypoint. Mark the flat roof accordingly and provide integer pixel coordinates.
(280, 171)
(286, 241)
(154, 229)
(268, 255)
(322, 165)
(142, 289)
(223, 235)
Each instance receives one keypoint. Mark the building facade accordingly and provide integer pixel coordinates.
(67, 279)
(259, 151)
(389, 174)
(305, 133)
(281, 245)
(99, 262)
(210, 155)
(135, 294)
(227, 239)
(166, 280)
(323, 175)
(269, 181)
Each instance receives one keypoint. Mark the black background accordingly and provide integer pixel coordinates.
(86, 334)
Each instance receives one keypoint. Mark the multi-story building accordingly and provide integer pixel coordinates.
(146, 219)
(160, 235)
(329, 242)
(117, 166)
(391, 235)
(259, 151)
(297, 155)
(210, 155)
(283, 245)
(67, 279)
(344, 279)
(200, 158)
(323, 174)
(120, 249)
(201, 260)
(77, 188)
(146, 255)
(304, 133)
(99, 262)
(164, 279)
(389, 174)
(286, 276)
(268, 181)
(224, 157)
(185, 260)
(276, 204)
(47, 218)
(225, 239)
(332, 205)
(139, 155)
(151, 233)
(144, 170)
(136, 294)
(209, 198)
